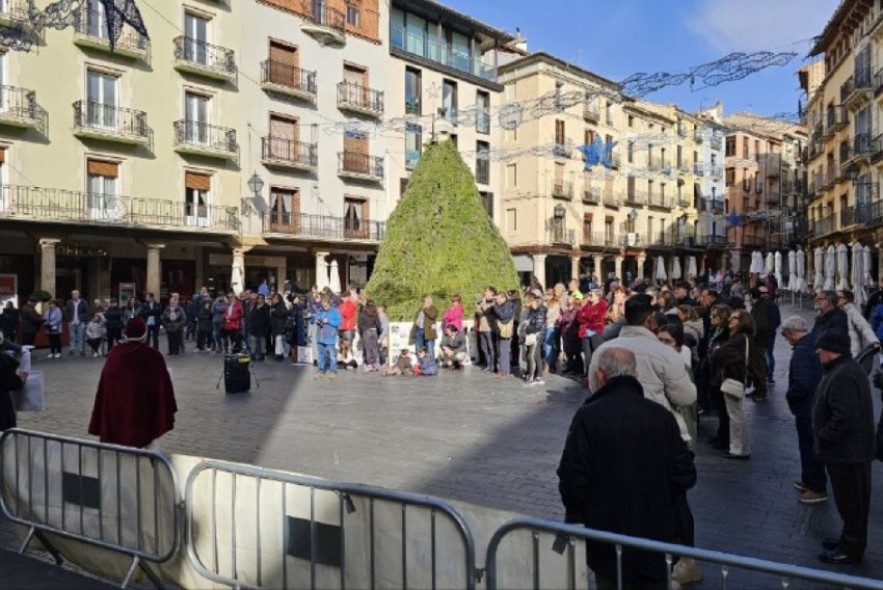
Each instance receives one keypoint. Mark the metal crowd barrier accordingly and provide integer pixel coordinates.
(82, 490)
(565, 542)
(279, 530)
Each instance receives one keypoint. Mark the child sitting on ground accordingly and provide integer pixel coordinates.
(402, 366)
(426, 365)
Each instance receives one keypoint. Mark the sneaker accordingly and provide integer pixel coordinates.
(50, 356)
(800, 486)
(528, 381)
(332, 375)
(686, 571)
(539, 382)
(838, 557)
(319, 375)
(811, 497)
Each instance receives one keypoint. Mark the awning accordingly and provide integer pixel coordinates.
(523, 263)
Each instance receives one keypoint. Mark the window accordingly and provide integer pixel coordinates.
(487, 201)
(587, 227)
(608, 109)
(283, 65)
(413, 144)
(631, 151)
(482, 162)
(511, 220)
(453, 138)
(197, 187)
(449, 100)
(283, 141)
(101, 100)
(511, 176)
(355, 85)
(96, 26)
(355, 153)
(102, 186)
(413, 91)
(757, 150)
(745, 147)
(482, 112)
(196, 117)
(559, 132)
(355, 218)
(679, 157)
(284, 208)
(731, 177)
(195, 38)
(353, 16)
(631, 121)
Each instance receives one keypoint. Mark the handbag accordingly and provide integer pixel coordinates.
(530, 340)
(506, 329)
(734, 387)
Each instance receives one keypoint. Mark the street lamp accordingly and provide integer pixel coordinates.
(256, 184)
(559, 212)
(852, 172)
(632, 215)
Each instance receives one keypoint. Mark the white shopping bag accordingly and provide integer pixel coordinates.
(30, 398)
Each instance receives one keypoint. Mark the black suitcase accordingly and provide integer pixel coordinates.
(237, 373)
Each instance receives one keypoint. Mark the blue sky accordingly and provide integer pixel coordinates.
(620, 38)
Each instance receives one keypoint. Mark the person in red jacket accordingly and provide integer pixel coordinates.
(591, 318)
(348, 312)
(233, 324)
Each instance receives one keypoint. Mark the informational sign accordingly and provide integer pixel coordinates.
(399, 337)
(8, 289)
(127, 291)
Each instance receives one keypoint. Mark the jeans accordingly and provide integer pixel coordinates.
(369, 344)
(534, 358)
(153, 335)
(770, 362)
(812, 471)
(550, 345)
(488, 348)
(257, 346)
(314, 340)
(504, 354)
(420, 341)
(327, 354)
(218, 336)
(851, 483)
(77, 333)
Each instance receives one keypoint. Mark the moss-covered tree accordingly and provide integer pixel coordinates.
(439, 240)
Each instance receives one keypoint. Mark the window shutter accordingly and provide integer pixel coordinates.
(102, 168)
(2, 155)
(199, 182)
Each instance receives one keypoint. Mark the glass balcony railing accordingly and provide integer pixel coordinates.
(424, 46)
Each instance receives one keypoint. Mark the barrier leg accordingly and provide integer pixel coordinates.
(33, 532)
(157, 583)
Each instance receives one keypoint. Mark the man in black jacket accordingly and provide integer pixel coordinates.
(843, 422)
(766, 322)
(804, 375)
(623, 465)
(830, 316)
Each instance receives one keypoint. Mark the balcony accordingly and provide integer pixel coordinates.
(90, 31)
(659, 201)
(13, 12)
(684, 202)
(560, 150)
(715, 241)
(19, 108)
(664, 239)
(556, 233)
(837, 119)
(869, 214)
(410, 44)
(635, 198)
(713, 205)
(857, 88)
(323, 227)
(632, 240)
(654, 163)
(44, 206)
(824, 226)
(600, 239)
(717, 172)
(862, 148)
(198, 57)
(592, 195)
(683, 168)
(360, 99)
(590, 112)
(759, 242)
(717, 142)
(682, 130)
(280, 152)
(847, 218)
(288, 80)
(562, 190)
(698, 136)
(323, 23)
(612, 199)
(878, 82)
(201, 139)
(359, 166)
(93, 120)
(699, 169)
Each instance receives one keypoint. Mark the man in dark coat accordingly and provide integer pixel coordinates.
(804, 375)
(830, 316)
(766, 322)
(12, 378)
(623, 463)
(135, 402)
(843, 422)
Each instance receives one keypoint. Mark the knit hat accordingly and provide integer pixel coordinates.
(834, 341)
(136, 329)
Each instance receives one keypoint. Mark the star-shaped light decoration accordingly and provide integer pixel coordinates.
(598, 152)
(119, 13)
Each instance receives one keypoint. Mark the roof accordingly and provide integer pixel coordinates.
(548, 58)
(768, 127)
(842, 16)
(433, 8)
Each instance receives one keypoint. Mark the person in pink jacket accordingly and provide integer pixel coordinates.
(453, 316)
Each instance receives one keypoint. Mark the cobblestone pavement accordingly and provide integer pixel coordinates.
(467, 437)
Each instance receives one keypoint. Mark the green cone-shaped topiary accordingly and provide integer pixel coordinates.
(439, 241)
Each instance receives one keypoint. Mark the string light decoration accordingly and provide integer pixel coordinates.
(21, 34)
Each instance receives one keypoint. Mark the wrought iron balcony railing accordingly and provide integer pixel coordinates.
(199, 56)
(323, 226)
(110, 121)
(283, 151)
(18, 107)
(287, 77)
(557, 234)
(204, 138)
(359, 98)
(360, 165)
(91, 26)
(562, 190)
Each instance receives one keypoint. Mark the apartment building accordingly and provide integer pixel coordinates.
(441, 82)
(843, 117)
(194, 157)
(764, 180)
(711, 190)
(558, 218)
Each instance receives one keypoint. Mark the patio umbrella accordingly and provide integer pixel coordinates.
(800, 258)
(756, 266)
(691, 267)
(777, 267)
(769, 263)
(843, 266)
(334, 278)
(830, 268)
(818, 266)
(868, 280)
(735, 260)
(858, 273)
(660, 269)
(676, 268)
(792, 275)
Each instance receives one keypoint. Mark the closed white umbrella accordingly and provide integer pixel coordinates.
(676, 268)
(736, 260)
(842, 267)
(792, 271)
(868, 279)
(660, 269)
(777, 267)
(691, 267)
(800, 258)
(858, 273)
(769, 263)
(819, 266)
(830, 268)
(334, 278)
(756, 266)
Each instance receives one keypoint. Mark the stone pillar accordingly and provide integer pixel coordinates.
(321, 269)
(574, 267)
(642, 258)
(154, 269)
(599, 266)
(539, 268)
(199, 266)
(47, 264)
(619, 270)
